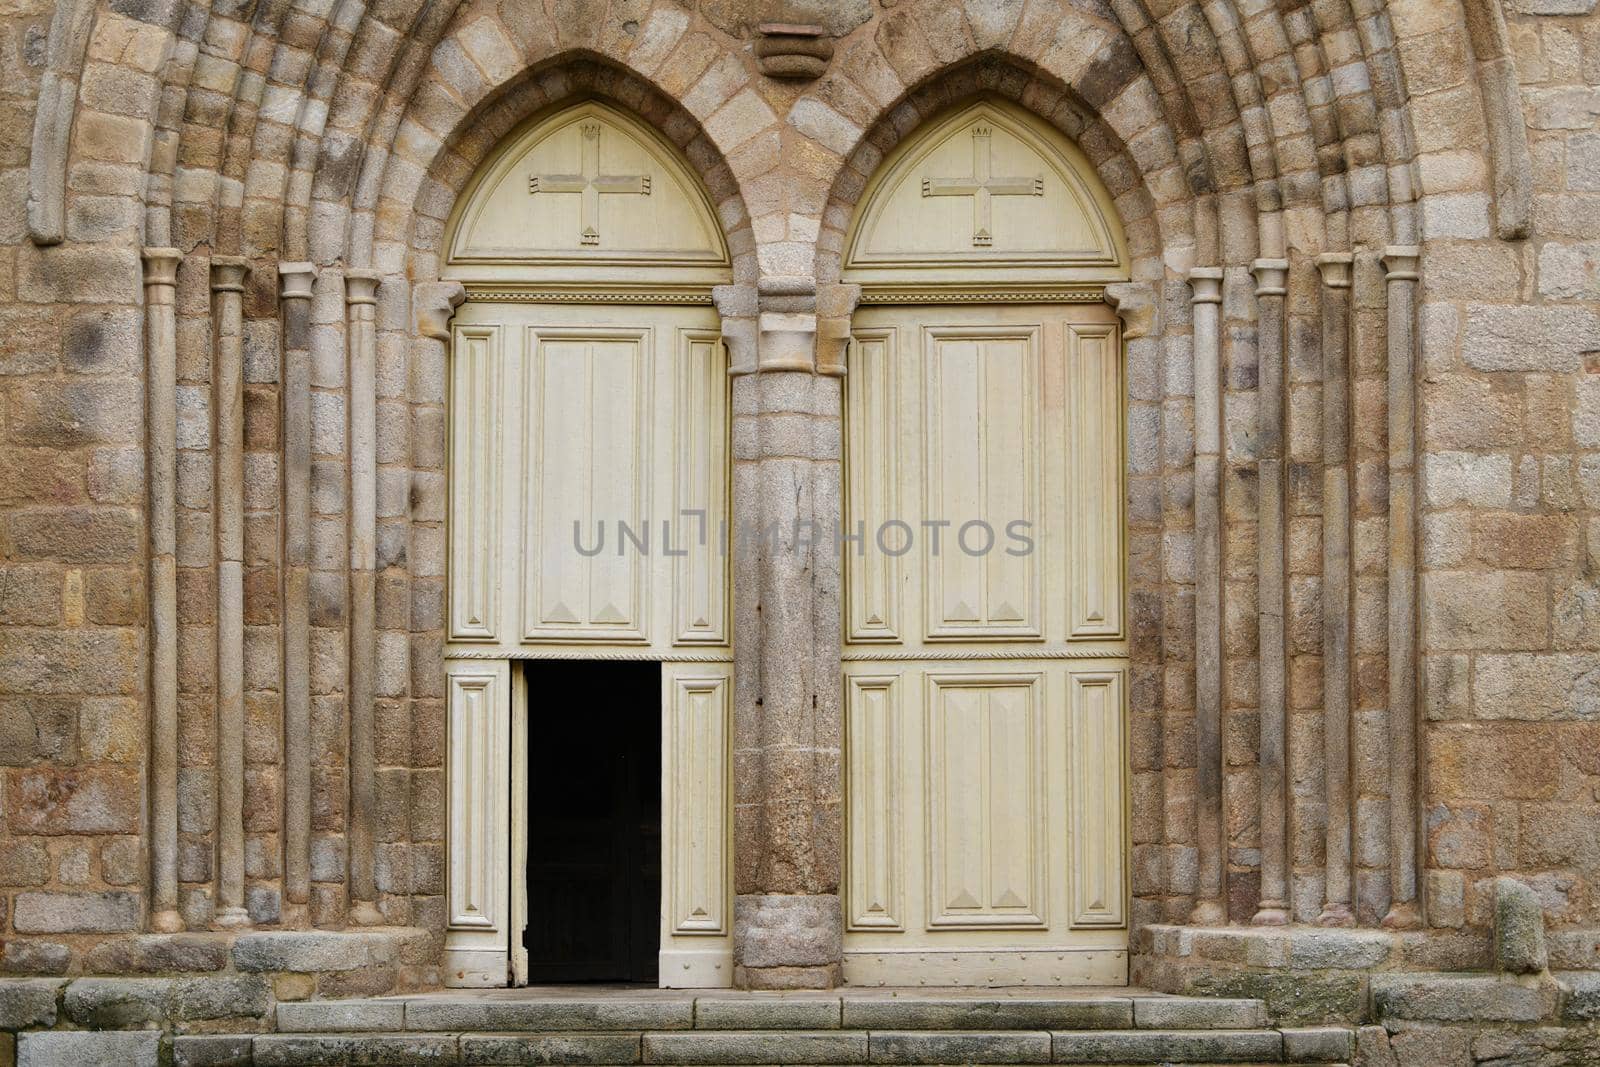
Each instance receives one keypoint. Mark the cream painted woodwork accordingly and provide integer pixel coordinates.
(988, 196)
(588, 194)
(985, 736)
(589, 508)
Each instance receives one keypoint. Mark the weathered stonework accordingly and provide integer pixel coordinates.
(1363, 479)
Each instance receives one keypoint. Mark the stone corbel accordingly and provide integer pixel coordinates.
(433, 304)
(1135, 305)
(792, 50)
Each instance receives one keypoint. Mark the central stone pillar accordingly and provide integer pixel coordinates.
(788, 829)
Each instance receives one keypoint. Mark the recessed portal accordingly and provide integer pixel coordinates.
(594, 821)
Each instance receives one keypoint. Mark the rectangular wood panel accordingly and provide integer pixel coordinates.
(699, 575)
(1094, 466)
(986, 803)
(585, 563)
(982, 424)
(476, 759)
(1097, 745)
(872, 446)
(475, 426)
(873, 789)
(697, 733)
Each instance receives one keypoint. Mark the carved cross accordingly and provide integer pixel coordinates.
(591, 183)
(981, 185)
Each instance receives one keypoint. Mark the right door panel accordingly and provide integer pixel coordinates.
(985, 655)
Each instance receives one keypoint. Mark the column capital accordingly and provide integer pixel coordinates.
(161, 266)
(1206, 283)
(1135, 305)
(295, 280)
(1335, 268)
(433, 305)
(1271, 276)
(1401, 261)
(361, 286)
(227, 274)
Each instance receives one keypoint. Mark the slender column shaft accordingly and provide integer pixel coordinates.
(1400, 263)
(1335, 267)
(361, 336)
(295, 297)
(161, 370)
(1271, 275)
(227, 376)
(1209, 908)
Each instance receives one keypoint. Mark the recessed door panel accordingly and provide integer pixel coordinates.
(985, 671)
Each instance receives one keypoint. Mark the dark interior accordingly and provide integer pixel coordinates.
(594, 821)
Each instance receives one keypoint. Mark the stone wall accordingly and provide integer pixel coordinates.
(1364, 314)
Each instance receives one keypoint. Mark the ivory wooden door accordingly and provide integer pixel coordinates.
(588, 511)
(985, 676)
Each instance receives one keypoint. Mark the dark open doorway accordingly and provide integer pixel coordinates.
(594, 821)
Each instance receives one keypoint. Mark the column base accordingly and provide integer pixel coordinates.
(231, 918)
(365, 913)
(1208, 913)
(787, 941)
(1403, 915)
(1336, 915)
(167, 921)
(1271, 913)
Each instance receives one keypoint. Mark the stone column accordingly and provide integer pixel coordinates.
(788, 926)
(1337, 897)
(1400, 264)
(161, 378)
(1209, 908)
(1271, 276)
(361, 288)
(227, 376)
(295, 305)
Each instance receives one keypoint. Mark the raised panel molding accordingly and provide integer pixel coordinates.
(873, 747)
(475, 424)
(698, 733)
(1098, 754)
(700, 567)
(982, 426)
(872, 447)
(588, 445)
(986, 802)
(1094, 472)
(477, 756)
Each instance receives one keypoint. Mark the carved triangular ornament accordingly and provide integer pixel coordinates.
(988, 193)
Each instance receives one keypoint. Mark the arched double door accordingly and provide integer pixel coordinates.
(589, 644)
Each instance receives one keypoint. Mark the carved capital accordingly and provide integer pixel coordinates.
(295, 280)
(1272, 276)
(1206, 285)
(787, 341)
(1400, 262)
(161, 272)
(1335, 268)
(433, 304)
(361, 286)
(1135, 305)
(227, 274)
(740, 336)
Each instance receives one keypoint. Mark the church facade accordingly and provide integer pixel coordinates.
(1004, 493)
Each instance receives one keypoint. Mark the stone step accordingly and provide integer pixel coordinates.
(909, 1011)
(757, 1048)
